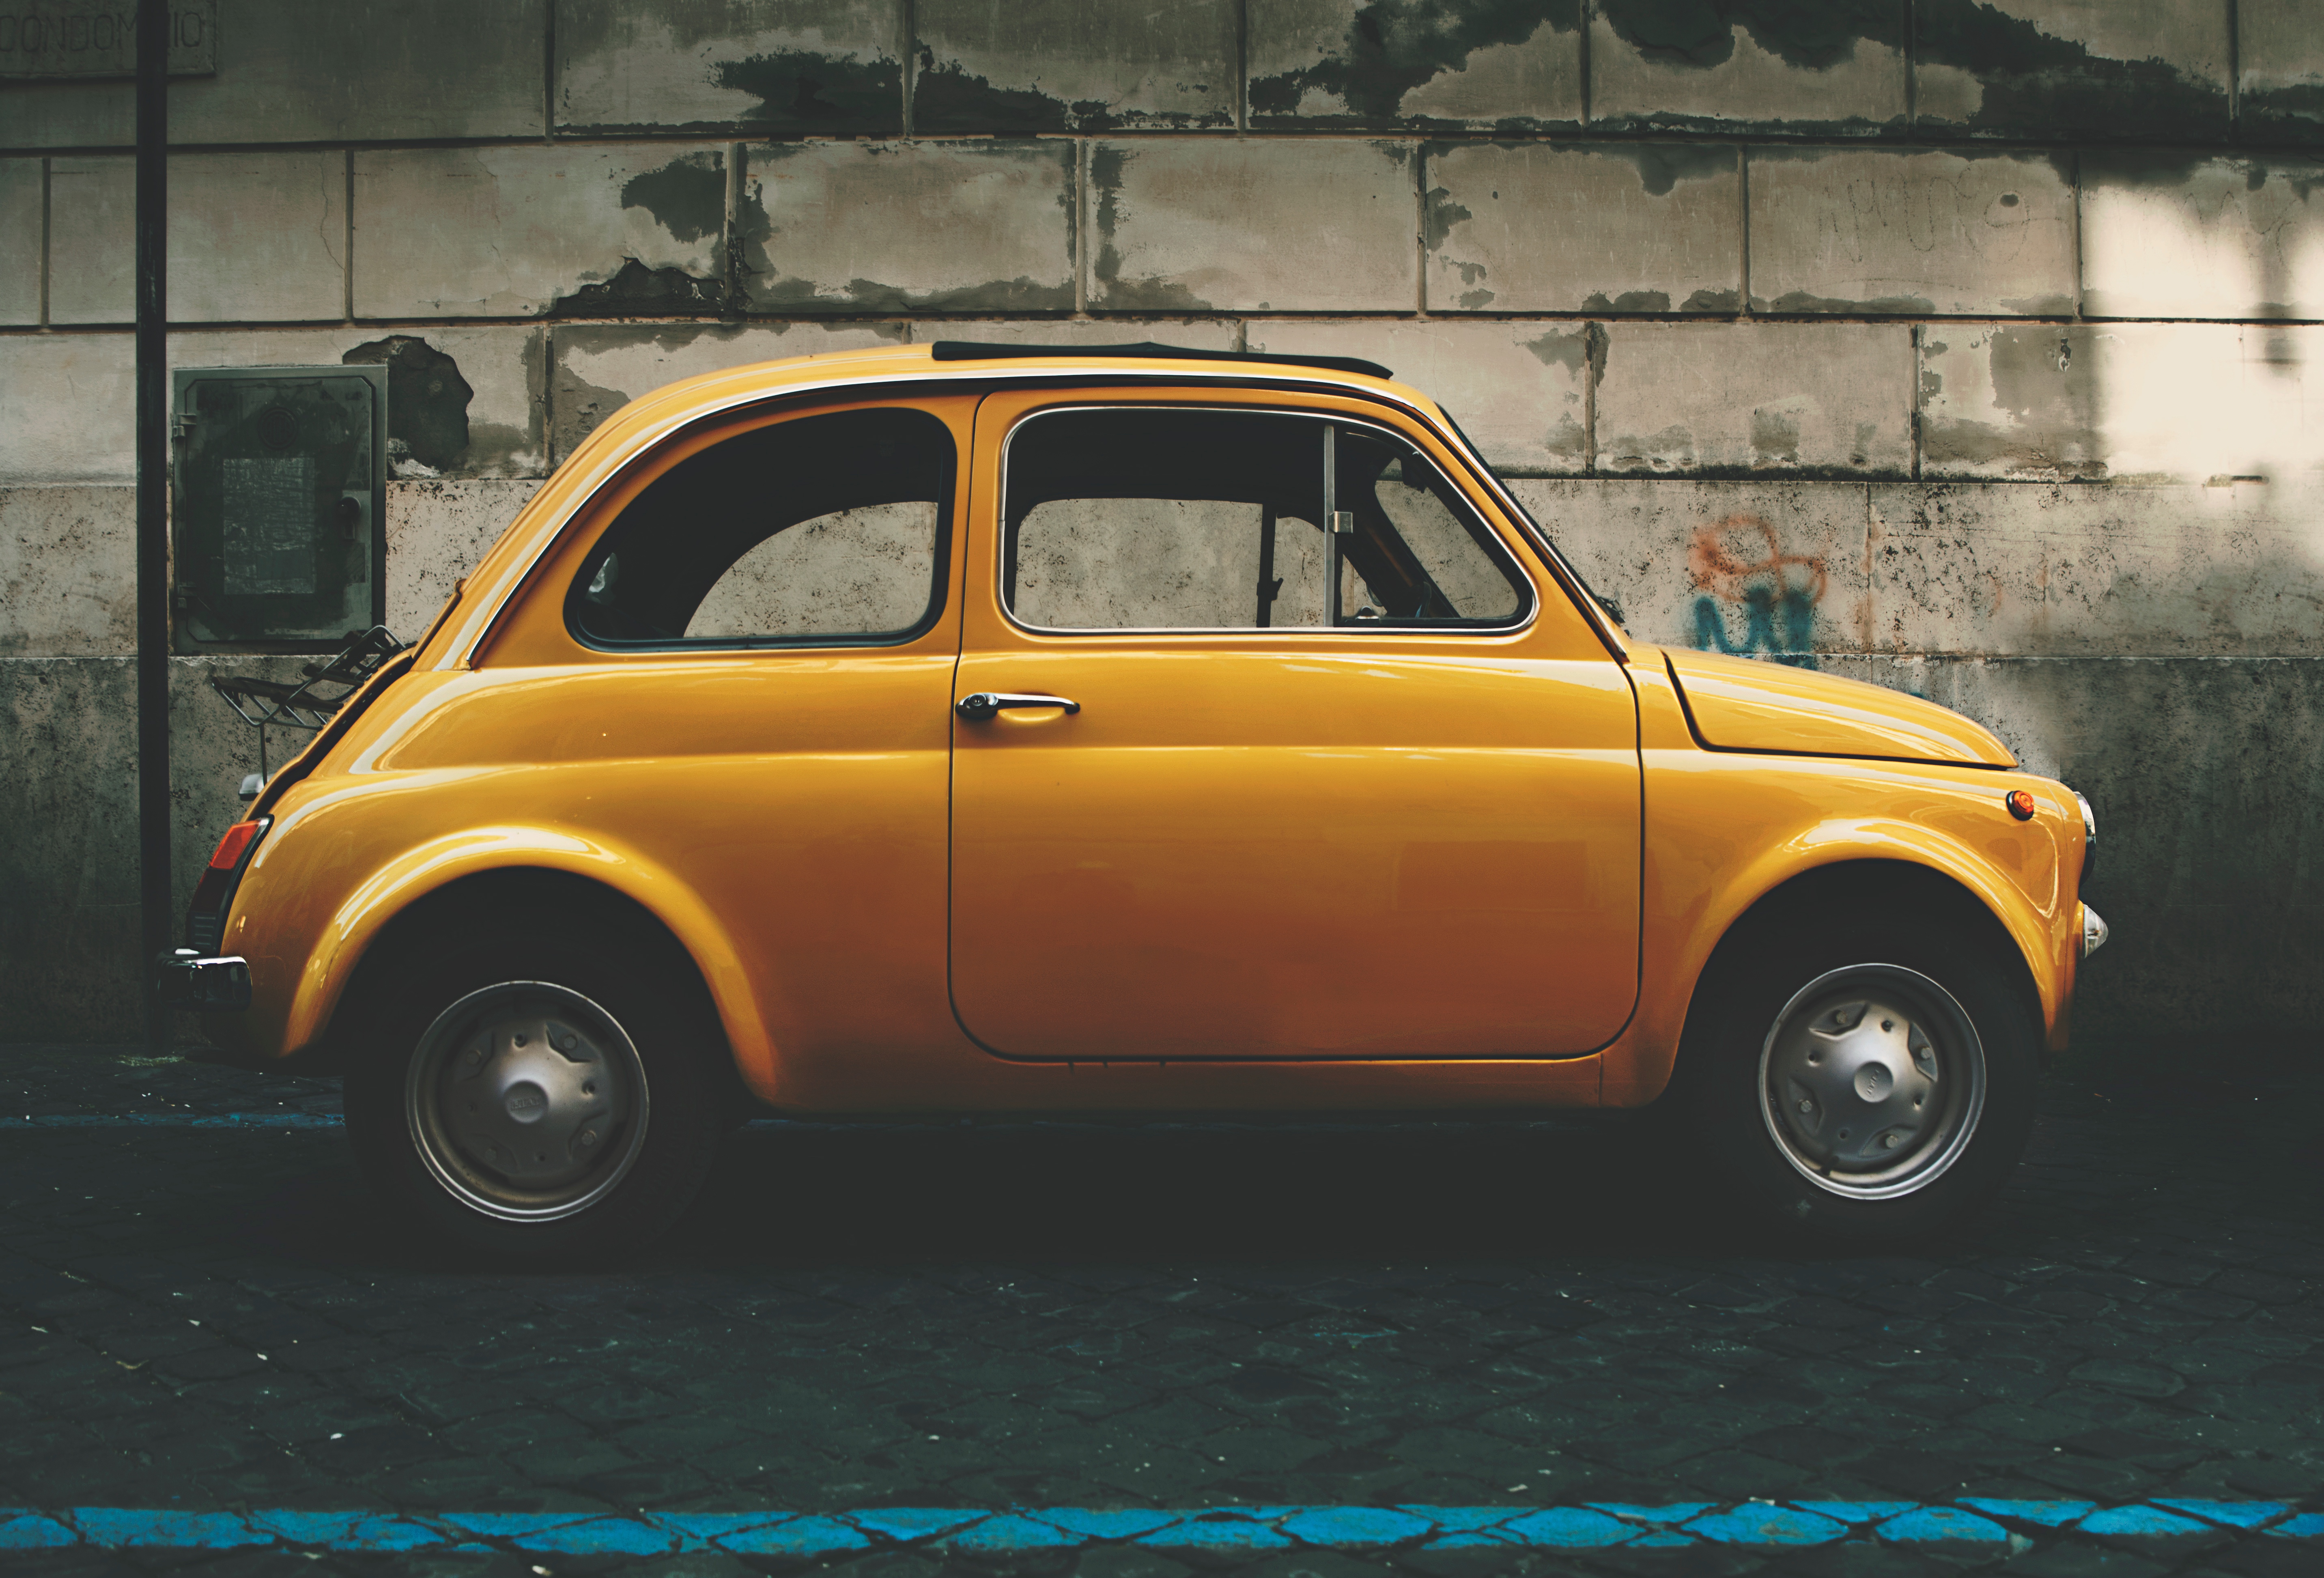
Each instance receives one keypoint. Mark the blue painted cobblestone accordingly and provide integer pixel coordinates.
(1755, 1525)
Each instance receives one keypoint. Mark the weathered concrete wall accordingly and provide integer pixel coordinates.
(1965, 345)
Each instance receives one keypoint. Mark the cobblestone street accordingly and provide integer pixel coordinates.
(201, 1310)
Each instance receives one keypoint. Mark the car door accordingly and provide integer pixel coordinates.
(1329, 765)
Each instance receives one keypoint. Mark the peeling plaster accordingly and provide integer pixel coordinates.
(427, 404)
(635, 289)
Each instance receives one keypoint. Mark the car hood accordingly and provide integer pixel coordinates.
(1739, 704)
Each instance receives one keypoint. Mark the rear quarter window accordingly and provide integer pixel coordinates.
(825, 529)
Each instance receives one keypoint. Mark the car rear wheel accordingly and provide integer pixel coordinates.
(1868, 1085)
(539, 1098)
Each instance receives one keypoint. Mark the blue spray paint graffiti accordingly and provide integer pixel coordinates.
(1777, 592)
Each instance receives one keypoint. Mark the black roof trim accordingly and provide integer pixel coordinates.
(986, 351)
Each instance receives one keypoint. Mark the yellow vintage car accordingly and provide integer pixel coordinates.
(997, 728)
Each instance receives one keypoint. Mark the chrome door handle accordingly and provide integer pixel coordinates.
(987, 705)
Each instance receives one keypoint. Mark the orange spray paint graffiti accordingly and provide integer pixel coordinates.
(1741, 561)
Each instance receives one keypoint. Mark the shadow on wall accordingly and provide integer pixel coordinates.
(1738, 565)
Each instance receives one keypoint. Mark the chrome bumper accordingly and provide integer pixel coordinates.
(2094, 932)
(187, 979)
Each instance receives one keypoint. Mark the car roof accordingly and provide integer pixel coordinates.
(1142, 351)
(652, 417)
(983, 361)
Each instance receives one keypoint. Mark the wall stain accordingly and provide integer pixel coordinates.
(2035, 84)
(1394, 46)
(636, 289)
(498, 449)
(1774, 437)
(427, 404)
(686, 196)
(1627, 301)
(1699, 35)
(803, 91)
(1809, 301)
(581, 407)
(2043, 377)
(1151, 294)
(1561, 348)
(1660, 170)
(1439, 214)
(2295, 112)
(1021, 294)
(2032, 83)
(1739, 563)
(763, 282)
(946, 98)
(1661, 166)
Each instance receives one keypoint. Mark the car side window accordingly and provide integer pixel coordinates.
(825, 529)
(1161, 518)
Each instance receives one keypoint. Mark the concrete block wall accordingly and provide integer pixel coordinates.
(1964, 346)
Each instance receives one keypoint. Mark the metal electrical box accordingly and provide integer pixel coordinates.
(280, 486)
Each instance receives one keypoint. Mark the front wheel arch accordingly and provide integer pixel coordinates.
(1868, 934)
(1808, 899)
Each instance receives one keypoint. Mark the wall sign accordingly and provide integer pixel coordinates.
(46, 38)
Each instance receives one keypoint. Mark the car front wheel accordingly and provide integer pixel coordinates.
(1865, 1087)
(541, 1099)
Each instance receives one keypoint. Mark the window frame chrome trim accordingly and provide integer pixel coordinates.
(1509, 565)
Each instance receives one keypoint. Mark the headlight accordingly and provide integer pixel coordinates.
(2089, 835)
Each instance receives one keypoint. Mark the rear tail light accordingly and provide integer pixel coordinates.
(233, 846)
(214, 894)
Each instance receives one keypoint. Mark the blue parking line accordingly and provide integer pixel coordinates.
(1978, 1522)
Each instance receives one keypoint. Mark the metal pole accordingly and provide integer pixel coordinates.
(153, 505)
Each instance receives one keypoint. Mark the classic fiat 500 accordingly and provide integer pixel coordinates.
(976, 728)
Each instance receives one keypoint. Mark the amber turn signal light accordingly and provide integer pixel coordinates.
(2020, 803)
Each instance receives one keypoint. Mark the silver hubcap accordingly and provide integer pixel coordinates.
(527, 1101)
(1872, 1081)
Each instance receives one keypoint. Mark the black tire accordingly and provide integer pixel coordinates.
(1906, 1120)
(626, 1031)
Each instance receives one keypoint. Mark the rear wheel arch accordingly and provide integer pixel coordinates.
(505, 896)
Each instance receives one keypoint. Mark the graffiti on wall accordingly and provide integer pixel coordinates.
(1738, 568)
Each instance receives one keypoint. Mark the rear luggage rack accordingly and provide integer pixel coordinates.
(265, 704)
